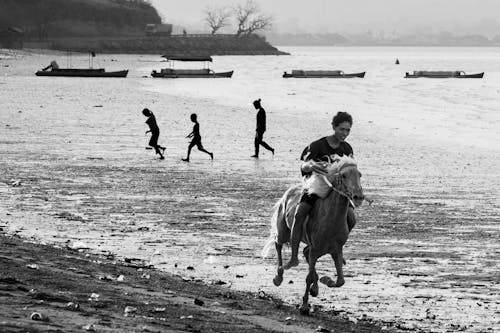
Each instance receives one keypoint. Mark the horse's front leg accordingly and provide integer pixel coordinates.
(338, 259)
(312, 278)
(278, 279)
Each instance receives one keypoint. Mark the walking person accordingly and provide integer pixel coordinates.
(314, 156)
(196, 141)
(261, 128)
(155, 132)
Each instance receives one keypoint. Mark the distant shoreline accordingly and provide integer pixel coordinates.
(173, 45)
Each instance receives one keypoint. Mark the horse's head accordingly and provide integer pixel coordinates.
(348, 177)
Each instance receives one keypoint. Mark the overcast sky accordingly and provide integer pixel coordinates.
(459, 16)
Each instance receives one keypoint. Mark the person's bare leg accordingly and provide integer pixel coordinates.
(207, 152)
(301, 213)
(256, 144)
(189, 154)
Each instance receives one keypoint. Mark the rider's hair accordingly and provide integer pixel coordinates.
(340, 117)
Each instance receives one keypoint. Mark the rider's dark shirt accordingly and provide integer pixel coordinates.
(321, 151)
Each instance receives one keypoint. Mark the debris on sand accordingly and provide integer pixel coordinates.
(39, 317)
(89, 328)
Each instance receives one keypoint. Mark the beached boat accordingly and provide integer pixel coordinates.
(173, 73)
(322, 74)
(444, 74)
(81, 72)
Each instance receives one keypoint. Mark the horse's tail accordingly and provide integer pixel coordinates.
(273, 234)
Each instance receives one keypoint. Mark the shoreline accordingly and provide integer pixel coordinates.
(75, 289)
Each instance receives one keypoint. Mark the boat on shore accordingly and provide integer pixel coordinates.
(322, 74)
(444, 74)
(81, 72)
(173, 73)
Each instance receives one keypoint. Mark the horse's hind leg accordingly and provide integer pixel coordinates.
(312, 276)
(279, 274)
(282, 237)
(314, 288)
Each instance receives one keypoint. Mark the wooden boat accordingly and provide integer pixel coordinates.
(322, 74)
(81, 72)
(172, 73)
(444, 74)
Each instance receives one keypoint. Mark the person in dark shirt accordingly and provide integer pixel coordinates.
(196, 141)
(315, 157)
(155, 132)
(261, 128)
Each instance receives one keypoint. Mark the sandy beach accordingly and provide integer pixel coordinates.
(74, 171)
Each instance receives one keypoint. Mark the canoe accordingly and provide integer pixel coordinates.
(444, 74)
(170, 73)
(322, 74)
(82, 72)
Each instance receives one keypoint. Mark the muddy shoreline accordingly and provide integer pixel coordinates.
(74, 291)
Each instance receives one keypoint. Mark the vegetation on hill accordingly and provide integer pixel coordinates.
(42, 19)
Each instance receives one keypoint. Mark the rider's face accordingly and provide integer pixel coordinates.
(341, 132)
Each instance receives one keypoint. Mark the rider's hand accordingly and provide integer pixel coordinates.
(318, 167)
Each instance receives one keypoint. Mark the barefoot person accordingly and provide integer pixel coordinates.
(196, 141)
(155, 132)
(314, 157)
(261, 128)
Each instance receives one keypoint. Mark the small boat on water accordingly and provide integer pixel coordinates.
(54, 70)
(322, 74)
(81, 72)
(444, 74)
(173, 73)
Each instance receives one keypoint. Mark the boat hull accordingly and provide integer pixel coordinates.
(184, 75)
(446, 76)
(76, 72)
(324, 76)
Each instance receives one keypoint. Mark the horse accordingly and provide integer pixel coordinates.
(326, 230)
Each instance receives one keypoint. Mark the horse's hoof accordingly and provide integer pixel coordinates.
(304, 310)
(340, 283)
(314, 291)
(277, 280)
(326, 280)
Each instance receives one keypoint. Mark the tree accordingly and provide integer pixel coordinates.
(217, 18)
(249, 18)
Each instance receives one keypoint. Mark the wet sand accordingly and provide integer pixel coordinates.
(48, 289)
(74, 169)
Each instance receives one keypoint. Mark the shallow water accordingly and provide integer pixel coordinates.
(423, 254)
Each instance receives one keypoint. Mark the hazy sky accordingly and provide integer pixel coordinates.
(459, 16)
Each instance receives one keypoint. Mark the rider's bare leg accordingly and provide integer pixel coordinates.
(301, 213)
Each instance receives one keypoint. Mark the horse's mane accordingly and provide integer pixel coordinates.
(320, 185)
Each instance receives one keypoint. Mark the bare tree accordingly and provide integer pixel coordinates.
(217, 18)
(250, 19)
